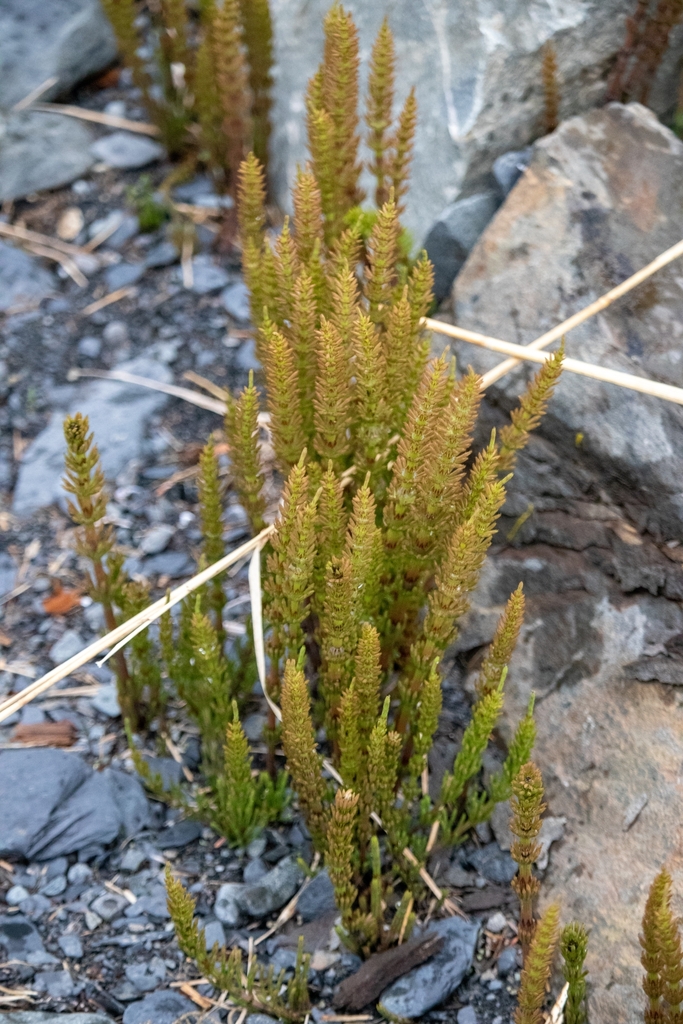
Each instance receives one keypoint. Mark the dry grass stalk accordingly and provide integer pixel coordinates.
(625, 380)
(668, 256)
(108, 300)
(212, 404)
(111, 120)
(126, 629)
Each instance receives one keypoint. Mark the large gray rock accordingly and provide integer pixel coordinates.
(43, 1017)
(39, 151)
(118, 414)
(476, 67)
(429, 984)
(22, 279)
(106, 805)
(52, 804)
(602, 197)
(69, 39)
(32, 784)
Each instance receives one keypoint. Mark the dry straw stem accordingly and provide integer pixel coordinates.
(126, 630)
(625, 380)
(668, 256)
(194, 397)
(94, 115)
(107, 300)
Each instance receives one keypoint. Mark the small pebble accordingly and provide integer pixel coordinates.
(116, 332)
(71, 945)
(507, 961)
(466, 1015)
(92, 920)
(256, 847)
(496, 923)
(16, 894)
(79, 873)
(89, 346)
(55, 886)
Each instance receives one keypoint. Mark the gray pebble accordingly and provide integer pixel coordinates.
(89, 346)
(214, 932)
(255, 870)
(235, 299)
(116, 332)
(69, 644)
(156, 540)
(16, 895)
(147, 976)
(78, 873)
(466, 1015)
(257, 847)
(109, 905)
(56, 984)
(71, 945)
(126, 151)
(55, 886)
(507, 961)
(121, 275)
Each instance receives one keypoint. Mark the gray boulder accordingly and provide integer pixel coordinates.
(602, 197)
(22, 279)
(162, 1007)
(40, 151)
(67, 39)
(435, 980)
(452, 237)
(476, 69)
(32, 784)
(107, 804)
(118, 414)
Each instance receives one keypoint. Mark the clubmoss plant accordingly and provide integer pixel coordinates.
(386, 516)
(257, 988)
(527, 806)
(573, 947)
(661, 956)
(208, 86)
(537, 967)
(551, 89)
(139, 689)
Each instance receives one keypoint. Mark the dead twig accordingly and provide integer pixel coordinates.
(111, 120)
(107, 300)
(146, 382)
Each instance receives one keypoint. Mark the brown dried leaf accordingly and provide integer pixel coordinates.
(62, 601)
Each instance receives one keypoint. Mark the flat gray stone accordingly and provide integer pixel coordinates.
(15, 895)
(207, 275)
(32, 784)
(71, 946)
(40, 151)
(69, 644)
(121, 275)
(317, 898)
(146, 976)
(452, 237)
(228, 904)
(106, 701)
(117, 413)
(70, 39)
(273, 890)
(109, 905)
(106, 805)
(235, 299)
(19, 936)
(431, 983)
(22, 278)
(157, 539)
(214, 933)
(162, 1007)
(126, 151)
(55, 984)
(43, 1017)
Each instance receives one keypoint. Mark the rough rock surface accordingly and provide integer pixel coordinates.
(476, 67)
(52, 804)
(39, 151)
(117, 414)
(67, 39)
(429, 984)
(602, 197)
(22, 279)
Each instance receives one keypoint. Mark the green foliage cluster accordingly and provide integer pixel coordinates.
(662, 956)
(190, 653)
(258, 989)
(151, 213)
(140, 692)
(386, 516)
(208, 88)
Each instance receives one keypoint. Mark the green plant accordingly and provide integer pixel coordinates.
(382, 529)
(551, 90)
(573, 947)
(537, 968)
(209, 99)
(151, 213)
(140, 693)
(662, 956)
(527, 806)
(258, 989)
